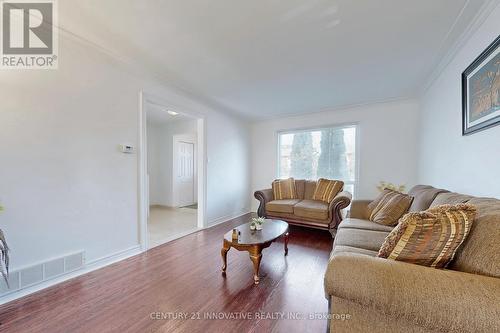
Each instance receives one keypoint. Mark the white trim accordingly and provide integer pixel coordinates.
(88, 267)
(357, 156)
(343, 107)
(135, 67)
(226, 218)
(485, 11)
(105, 261)
(146, 98)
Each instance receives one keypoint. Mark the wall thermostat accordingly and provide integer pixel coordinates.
(127, 149)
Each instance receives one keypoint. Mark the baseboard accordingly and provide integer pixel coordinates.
(88, 267)
(101, 262)
(220, 220)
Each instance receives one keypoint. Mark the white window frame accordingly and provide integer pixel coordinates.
(355, 183)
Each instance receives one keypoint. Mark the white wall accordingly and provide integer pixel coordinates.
(387, 143)
(467, 164)
(160, 158)
(63, 182)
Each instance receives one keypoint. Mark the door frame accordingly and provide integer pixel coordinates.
(145, 99)
(186, 138)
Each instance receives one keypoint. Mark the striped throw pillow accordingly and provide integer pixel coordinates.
(284, 189)
(327, 189)
(389, 206)
(429, 238)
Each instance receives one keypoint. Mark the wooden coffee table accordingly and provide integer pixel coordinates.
(254, 241)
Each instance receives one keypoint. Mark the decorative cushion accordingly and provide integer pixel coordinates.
(284, 189)
(327, 189)
(281, 206)
(311, 209)
(429, 238)
(388, 207)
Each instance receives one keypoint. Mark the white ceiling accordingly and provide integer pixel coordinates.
(265, 58)
(159, 115)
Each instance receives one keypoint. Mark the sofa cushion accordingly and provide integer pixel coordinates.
(300, 188)
(343, 249)
(281, 206)
(423, 195)
(429, 238)
(284, 189)
(363, 239)
(480, 252)
(450, 198)
(327, 189)
(294, 219)
(364, 224)
(309, 188)
(311, 209)
(388, 207)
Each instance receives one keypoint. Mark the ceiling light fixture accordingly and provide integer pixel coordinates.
(172, 113)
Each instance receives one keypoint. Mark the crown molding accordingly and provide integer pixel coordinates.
(485, 11)
(340, 108)
(135, 68)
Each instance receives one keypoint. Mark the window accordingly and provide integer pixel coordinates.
(319, 153)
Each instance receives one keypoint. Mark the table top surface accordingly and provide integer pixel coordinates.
(271, 229)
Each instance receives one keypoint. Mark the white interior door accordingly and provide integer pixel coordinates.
(185, 174)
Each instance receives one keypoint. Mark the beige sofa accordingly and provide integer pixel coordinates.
(381, 295)
(303, 211)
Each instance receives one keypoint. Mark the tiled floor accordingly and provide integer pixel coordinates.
(166, 223)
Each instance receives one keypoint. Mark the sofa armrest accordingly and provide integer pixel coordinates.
(264, 196)
(441, 300)
(359, 209)
(341, 201)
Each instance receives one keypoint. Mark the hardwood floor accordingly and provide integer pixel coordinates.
(184, 276)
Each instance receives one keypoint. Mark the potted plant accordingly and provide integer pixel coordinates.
(4, 255)
(256, 223)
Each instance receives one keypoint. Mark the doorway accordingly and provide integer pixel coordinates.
(171, 175)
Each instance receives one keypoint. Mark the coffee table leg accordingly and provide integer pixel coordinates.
(256, 256)
(223, 252)
(286, 243)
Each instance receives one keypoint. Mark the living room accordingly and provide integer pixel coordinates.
(320, 105)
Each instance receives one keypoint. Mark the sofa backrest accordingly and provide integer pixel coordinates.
(450, 198)
(480, 252)
(300, 187)
(305, 188)
(310, 187)
(423, 196)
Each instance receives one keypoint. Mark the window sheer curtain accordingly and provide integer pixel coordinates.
(319, 153)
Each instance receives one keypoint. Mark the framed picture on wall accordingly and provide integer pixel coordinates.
(481, 91)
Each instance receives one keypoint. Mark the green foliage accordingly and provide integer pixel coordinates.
(301, 156)
(332, 162)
